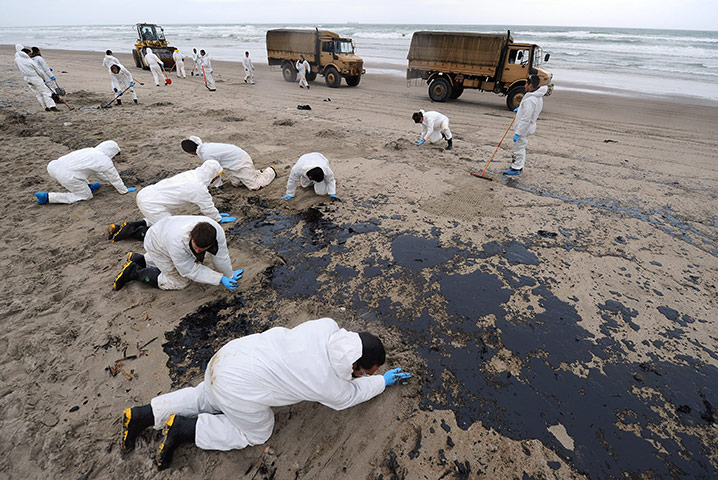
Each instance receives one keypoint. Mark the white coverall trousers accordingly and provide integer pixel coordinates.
(151, 211)
(225, 420)
(180, 69)
(169, 278)
(156, 73)
(442, 132)
(250, 177)
(210, 79)
(303, 78)
(248, 75)
(79, 189)
(519, 153)
(42, 93)
(320, 188)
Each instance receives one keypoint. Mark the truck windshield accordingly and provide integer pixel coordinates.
(342, 46)
(538, 57)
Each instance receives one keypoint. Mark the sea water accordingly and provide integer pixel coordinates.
(618, 60)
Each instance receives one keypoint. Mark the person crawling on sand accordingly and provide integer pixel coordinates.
(312, 169)
(316, 362)
(434, 127)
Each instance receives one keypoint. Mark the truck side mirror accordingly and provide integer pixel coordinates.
(546, 57)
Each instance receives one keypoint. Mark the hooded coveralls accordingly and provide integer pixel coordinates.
(433, 126)
(206, 64)
(46, 72)
(303, 69)
(529, 110)
(247, 376)
(107, 62)
(74, 170)
(122, 80)
(167, 245)
(197, 67)
(154, 62)
(171, 194)
(179, 64)
(248, 69)
(33, 76)
(298, 175)
(236, 163)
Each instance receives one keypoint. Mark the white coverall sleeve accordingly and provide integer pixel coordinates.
(427, 127)
(525, 114)
(293, 180)
(189, 268)
(204, 201)
(46, 74)
(221, 260)
(331, 182)
(356, 391)
(111, 175)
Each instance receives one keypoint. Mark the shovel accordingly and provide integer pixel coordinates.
(481, 175)
(109, 104)
(168, 81)
(205, 78)
(63, 101)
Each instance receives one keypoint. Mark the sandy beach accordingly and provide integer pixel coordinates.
(559, 325)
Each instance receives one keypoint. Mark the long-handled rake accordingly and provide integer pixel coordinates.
(109, 104)
(481, 175)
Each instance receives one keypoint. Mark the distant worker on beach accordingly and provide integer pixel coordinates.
(206, 65)
(176, 248)
(171, 195)
(74, 170)
(231, 409)
(122, 78)
(526, 116)
(179, 63)
(33, 76)
(248, 69)
(48, 73)
(154, 62)
(236, 163)
(196, 67)
(312, 169)
(434, 127)
(303, 69)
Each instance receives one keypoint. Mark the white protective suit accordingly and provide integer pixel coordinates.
(74, 170)
(206, 65)
(433, 126)
(303, 69)
(248, 70)
(167, 245)
(298, 174)
(175, 193)
(46, 72)
(108, 61)
(179, 64)
(154, 62)
(236, 163)
(123, 80)
(247, 376)
(197, 63)
(33, 76)
(529, 110)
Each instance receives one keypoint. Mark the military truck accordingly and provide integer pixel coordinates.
(327, 54)
(449, 62)
(153, 36)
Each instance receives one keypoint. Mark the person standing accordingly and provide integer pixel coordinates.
(316, 361)
(434, 127)
(123, 79)
(526, 116)
(237, 163)
(248, 69)
(196, 67)
(206, 65)
(47, 72)
(303, 69)
(179, 63)
(154, 62)
(109, 59)
(312, 169)
(74, 170)
(33, 76)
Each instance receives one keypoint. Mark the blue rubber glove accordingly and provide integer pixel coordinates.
(229, 283)
(228, 219)
(333, 196)
(394, 375)
(223, 214)
(516, 137)
(132, 84)
(287, 197)
(41, 198)
(119, 94)
(237, 274)
(516, 109)
(420, 142)
(131, 189)
(52, 78)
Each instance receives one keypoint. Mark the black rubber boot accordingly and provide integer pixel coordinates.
(135, 230)
(149, 276)
(134, 421)
(118, 102)
(128, 273)
(138, 258)
(177, 430)
(450, 146)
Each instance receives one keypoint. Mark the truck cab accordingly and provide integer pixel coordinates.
(521, 61)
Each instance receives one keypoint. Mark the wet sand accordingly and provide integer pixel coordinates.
(559, 325)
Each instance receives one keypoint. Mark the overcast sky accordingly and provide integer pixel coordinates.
(673, 14)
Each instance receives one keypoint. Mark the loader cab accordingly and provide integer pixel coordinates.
(150, 34)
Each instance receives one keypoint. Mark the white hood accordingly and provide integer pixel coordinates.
(109, 148)
(344, 348)
(148, 51)
(196, 140)
(540, 92)
(207, 171)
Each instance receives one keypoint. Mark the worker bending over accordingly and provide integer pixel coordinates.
(74, 170)
(434, 127)
(312, 169)
(236, 163)
(124, 81)
(175, 251)
(316, 362)
(33, 76)
(48, 74)
(526, 116)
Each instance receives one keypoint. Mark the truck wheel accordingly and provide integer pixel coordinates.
(354, 80)
(456, 91)
(332, 77)
(440, 90)
(514, 97)
(136, 58)
(289, 73)
(311, 76)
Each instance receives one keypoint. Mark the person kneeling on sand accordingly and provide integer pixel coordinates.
(312, 169)
(526, 116)
(237, 163)
(316, 362)
(124, 81)
(170, 195)
(176, 248)
(74, 170)
(434, 127)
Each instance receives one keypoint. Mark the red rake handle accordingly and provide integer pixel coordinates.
(497, 146)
